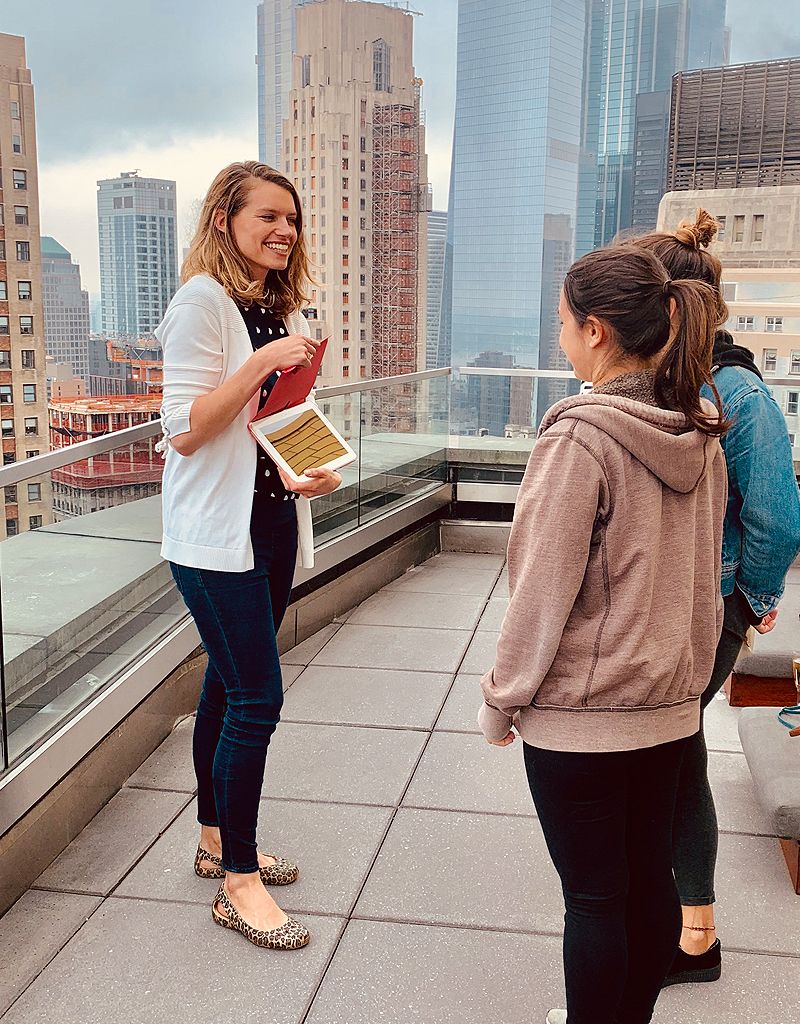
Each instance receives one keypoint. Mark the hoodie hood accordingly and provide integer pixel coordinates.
(663, 441)
(728, 353)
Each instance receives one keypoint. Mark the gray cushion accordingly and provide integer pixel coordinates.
(773, 652)
(774, 761)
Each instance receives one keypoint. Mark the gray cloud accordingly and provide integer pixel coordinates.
(109, 72)
(763, 31)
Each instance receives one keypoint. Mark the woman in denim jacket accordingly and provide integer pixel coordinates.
(761, 539)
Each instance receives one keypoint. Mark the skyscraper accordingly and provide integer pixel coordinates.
(66, 309)
(276, 43)
(23, 391)
(353, 144)
(513, 191)
(633, 49)
(138, 253)
(736, 127)
(437, 240)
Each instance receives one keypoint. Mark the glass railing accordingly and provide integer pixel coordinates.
(85, 594)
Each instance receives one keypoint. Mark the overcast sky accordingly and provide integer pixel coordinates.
(169, 87)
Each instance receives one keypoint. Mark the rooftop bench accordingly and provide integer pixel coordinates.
(763, 677)
(774, 761)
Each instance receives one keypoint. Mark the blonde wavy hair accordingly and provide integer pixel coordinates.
(214, 252)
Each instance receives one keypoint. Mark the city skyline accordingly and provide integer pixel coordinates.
(179, 121)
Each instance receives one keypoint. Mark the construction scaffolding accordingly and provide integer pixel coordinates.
(396, 208)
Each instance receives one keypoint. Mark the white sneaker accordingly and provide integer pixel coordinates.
(557, 1017)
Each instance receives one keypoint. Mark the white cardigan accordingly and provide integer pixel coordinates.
(207, 497)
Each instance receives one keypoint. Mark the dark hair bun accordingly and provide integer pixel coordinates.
(700, 234)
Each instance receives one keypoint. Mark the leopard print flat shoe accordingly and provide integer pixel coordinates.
(290, 935)
(282, 872)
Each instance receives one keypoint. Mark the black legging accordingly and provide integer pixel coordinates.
(607, 820)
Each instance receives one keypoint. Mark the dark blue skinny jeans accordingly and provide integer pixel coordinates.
(238, 615)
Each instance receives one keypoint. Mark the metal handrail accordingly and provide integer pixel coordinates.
(20, 472)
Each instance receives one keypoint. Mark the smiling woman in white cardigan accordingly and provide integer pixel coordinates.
(231, 521)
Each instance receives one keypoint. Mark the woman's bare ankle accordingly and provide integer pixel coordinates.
(210, 840)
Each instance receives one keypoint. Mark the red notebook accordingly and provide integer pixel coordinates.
(293, 386)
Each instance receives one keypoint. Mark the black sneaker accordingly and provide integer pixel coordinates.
(687, 968)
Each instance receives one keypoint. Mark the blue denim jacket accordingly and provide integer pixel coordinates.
(761, 535)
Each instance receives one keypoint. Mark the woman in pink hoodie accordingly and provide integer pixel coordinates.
(614, 613)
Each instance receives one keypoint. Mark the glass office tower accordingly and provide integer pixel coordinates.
(633, 48)
(276, 39)
(512, 200)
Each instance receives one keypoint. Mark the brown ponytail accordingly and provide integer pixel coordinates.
(686, 365)
(628, 289)
(685, 254)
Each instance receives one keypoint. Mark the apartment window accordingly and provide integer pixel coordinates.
(346, 337)
(31, 453)
(9, 458)
(758, 227)
(794, 366)
(35, 522)
(14, 108)
(3, 291)
(24, 291)
(12, 527)
(28, 392)
(345, 279)
(346, 164)
(769, 361)
(745, 323)
(28, 359)
(363, 280)
(363, 338)
(306, 70)
(5, 359)
(775, 323)
(11, 495)
(21, 215)
(26, 325)
(345, 184)
(2, 249)
(7, 430)
(16, 143)
(24, 252)
(345, 142)
(792, 399)
(35, 493)
(791, 440)
(31, 425)
(738, 229)
(729, 291)
(345, 371)
(3, 324)
(5, 394)
(721, 229)
(345, 223)
(363, 184)
(345, 353)
(19, 179)
(345, 298)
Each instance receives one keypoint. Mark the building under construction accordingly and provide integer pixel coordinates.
(125, 474)
(735, 127)
(353, 145)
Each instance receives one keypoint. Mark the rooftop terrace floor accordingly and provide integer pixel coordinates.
(424, 877)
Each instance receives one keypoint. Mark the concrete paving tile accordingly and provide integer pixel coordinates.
(756, 907)
(400, 973)
(418, 609)
(366, 696)
(113, 841)
(147, 962)
(341, 763)
(492, 618)
(461, 772)
(332, 843)
(738, 809)
(32, 932)
(753, 990)
(721, 725)
(304, 653)
(460, 712)
(290, 673)
(501, 587)
(422, 650)
(480, 653)
(170, 767)
(471, 560)
(447, 579)
(478, 870)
